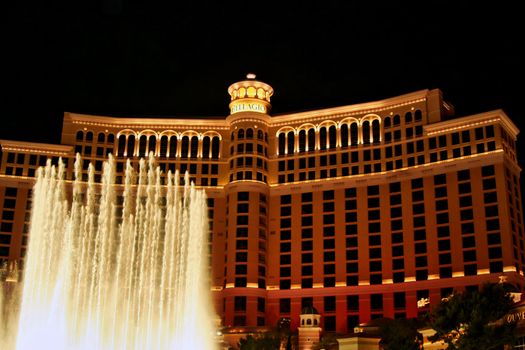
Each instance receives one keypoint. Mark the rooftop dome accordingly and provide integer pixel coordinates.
(309, 310)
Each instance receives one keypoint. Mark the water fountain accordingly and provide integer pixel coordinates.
(116, 266)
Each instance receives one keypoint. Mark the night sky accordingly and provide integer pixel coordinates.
(145, 58)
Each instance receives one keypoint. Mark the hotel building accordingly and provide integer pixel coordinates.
(363, 211)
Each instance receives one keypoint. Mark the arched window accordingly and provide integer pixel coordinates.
(249, 133)
(408, 117)
(260, 134)
(291, 142)
(322, 138)
(354, 138)
(194, 146)
(387, 122)
(311, 139)
(121, 145)
(417, 115)
(376, 131)
(315, 322)
(143, 141)
(397, 120)
(266, 137)
(80, 135)
(185, 145)
(111, 138)
(215, 148)
(309, 322)
(152, 144)
(302, 141)
(332, 137)
(89, 136)
(240, 134)
(131, 146)
(101, 137)
(173, 147)
(163, 146)
(282, 143)
(206, 147)
(366, 132)
(344, 135)
(233, 136)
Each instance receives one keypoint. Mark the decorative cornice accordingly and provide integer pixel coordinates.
(351, 110)
(491, 117)
(145, 123)
(34, 147)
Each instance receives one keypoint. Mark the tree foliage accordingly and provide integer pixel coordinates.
(400, 334)
(265, 341)
(472, 320)
(327, 341)
(270, 340)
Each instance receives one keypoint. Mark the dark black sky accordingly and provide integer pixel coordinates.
(140, 58)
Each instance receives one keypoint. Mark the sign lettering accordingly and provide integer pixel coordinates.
(248, 107)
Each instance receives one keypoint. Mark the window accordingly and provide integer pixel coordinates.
(488, 170)
(285, 259)
(351, 254)
(306, 258)
(240, 303)
(444, 245)
(417, 196)
(376, 301)
(496, 266)
(305, 245)
(442, 218)
(465, 201)
(284, 284)
(494, 238)
(469, 256)
(421, 275)
(398, 264)
(307, 270)
(329, 282)
(421, 248)
(495, 253)
(328, 195)
(471, 270)
(421, 261)
(397, 250)
(399, 277)
(240, 282)
(445, 259)
(440, 192)
(374, 240)
(284, 305)
(399, 300)
(329, 244)
(328, 206)
(478, 133)
(329, 303)
(241, 257)
(375, 266)
(285, 271)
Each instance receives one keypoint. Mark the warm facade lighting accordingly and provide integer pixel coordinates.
(398, 205)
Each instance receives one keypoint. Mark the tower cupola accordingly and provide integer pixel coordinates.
(250, 95)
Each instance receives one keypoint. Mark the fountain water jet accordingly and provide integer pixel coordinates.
(121, 267)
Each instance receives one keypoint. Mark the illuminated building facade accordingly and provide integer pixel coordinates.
(363, 211)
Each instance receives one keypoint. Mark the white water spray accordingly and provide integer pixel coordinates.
(118, 267)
